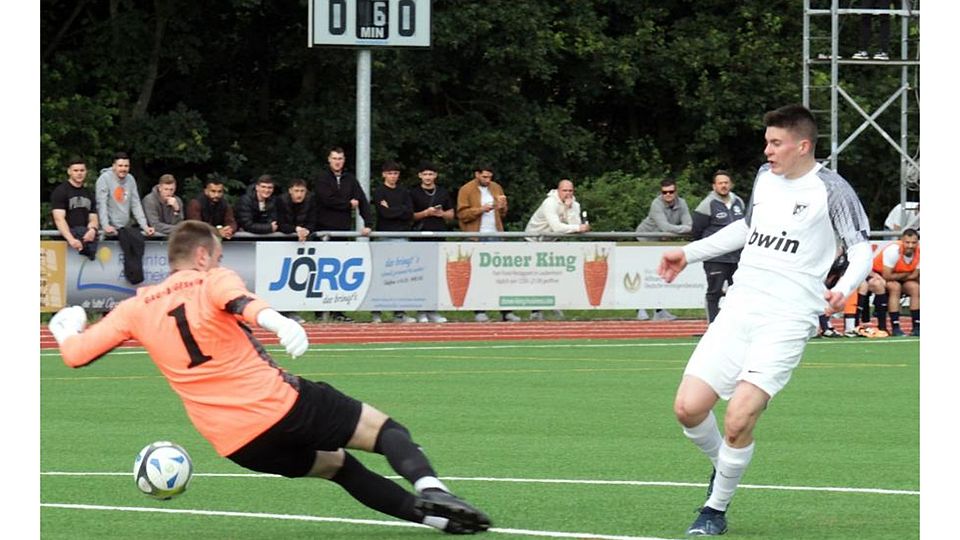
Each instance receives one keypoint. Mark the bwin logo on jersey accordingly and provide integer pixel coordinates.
(776, 243)
(340, 276)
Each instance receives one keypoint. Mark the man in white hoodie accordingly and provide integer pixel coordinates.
(558, 213)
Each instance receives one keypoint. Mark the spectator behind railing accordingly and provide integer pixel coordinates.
(668, 213)
(481, 206)
(394, 210)
(558, 213)
(338, 194)
(74, 210)
(117, 198)
(256, 209)
(163, 208)
(296, 211)
(210, 207)
(432, 210)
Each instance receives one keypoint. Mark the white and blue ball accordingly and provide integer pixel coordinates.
(162, 470)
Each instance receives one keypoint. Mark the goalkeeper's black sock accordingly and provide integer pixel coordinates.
(895, 320)
(824, 323)
(375, 491)
(395, 443)
(915, 319)
(880, 306)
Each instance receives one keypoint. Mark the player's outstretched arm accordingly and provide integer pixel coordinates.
(79, 348)
(671, 264)
(292, 336)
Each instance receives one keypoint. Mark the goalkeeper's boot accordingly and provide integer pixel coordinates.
(464, 518)
(710, 522)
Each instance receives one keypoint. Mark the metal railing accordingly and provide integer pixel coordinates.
(324, 236)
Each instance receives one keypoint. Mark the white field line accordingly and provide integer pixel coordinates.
(293, 517)
(872, 491)
(639, 344)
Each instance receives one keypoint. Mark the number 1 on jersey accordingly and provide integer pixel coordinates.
(197, 357)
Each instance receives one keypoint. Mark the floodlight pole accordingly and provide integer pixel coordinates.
(364, 63)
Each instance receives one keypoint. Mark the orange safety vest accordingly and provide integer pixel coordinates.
(901, 265)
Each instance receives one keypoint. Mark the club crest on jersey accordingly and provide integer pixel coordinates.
(799, 210)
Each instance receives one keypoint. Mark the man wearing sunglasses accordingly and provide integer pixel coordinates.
(668, 213)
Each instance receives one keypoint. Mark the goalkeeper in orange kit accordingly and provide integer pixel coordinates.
(195, 327)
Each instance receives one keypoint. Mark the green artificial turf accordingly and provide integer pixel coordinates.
(578, 411)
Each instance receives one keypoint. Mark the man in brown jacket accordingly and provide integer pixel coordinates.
(481, 206)
(481, 203)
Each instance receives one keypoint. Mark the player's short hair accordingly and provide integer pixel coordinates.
(911, 233)
(390, 166)
(795, 118)
(76, 161)
(297, 182)
(719, 172)
(186, 237)
(166, 179)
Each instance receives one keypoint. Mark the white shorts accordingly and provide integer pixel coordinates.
(756, 346)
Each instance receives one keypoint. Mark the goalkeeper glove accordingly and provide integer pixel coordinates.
(292, 336)
(67, 322)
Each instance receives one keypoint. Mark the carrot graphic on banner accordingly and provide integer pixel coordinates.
(458, 277)
(595, 275)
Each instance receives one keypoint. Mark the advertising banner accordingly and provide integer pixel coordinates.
(53, 275)
(100, 284)
(525, 275)
(637, 284)
(313, 276)
(403, 277)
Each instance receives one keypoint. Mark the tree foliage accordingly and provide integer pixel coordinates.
(599, 91)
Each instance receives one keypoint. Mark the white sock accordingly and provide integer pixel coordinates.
(707, 437)
(849, 323)
(428, 482)
(731, 464)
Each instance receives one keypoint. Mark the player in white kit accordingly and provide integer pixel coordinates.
(798, 215)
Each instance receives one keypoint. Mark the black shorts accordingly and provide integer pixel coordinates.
(322, 418)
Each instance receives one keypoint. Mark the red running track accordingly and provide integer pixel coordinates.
(470, 331)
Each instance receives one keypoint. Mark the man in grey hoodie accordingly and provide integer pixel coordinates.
(668, 213)
(164, 209)
(117, 198)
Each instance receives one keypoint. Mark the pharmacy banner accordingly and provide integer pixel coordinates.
(637, 284)
(99, 284)
(525, 275)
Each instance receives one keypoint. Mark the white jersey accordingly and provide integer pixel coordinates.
(793, 229)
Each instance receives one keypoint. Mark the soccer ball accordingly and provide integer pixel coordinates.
(162, 470)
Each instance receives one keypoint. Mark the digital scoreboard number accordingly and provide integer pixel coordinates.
(370, 23)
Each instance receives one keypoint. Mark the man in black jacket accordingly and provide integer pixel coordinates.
(338, 194)
(718, 209)
(257, 208)
(295, 210)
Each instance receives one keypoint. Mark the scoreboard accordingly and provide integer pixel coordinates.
(369, 23)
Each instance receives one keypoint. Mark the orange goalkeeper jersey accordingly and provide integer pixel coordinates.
(192, 326)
